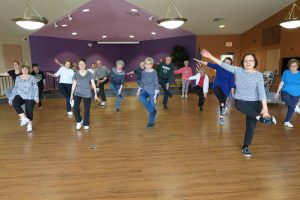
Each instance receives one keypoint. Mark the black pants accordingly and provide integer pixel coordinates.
(65, 90)
(40, 96)
(87, 106)
(220, 96)
(101, 89)
(251, 109)
(29, 105)
(199, 91)
(167, 93)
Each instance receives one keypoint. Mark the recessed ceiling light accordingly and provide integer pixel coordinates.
(133, 10)
(222, 26)
(153, 33)
(104, 36)
(64, 25)
(86, 10)
(74, 33)
(131, 36)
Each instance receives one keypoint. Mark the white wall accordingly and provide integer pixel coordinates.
(16, 40)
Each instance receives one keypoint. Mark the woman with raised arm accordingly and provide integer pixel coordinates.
(81, 89)
(26, 92)
(65, 74)
(16, 71)
(250, 94)
(222, 86)
(290, 90)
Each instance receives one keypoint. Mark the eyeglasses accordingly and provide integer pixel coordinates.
(147, 63)
(296, 66)
(248, 61)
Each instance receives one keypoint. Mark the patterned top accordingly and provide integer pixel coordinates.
(27, 89)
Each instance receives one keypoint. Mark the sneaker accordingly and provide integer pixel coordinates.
(118, 110)
(246, 151)
(182, 96)
(186, 96)
(40, 107)
(86, 127)
(78, 125)
(103, 103)
(170, 95)
(24, 121)
(221, 121)
(267, 120)
(297, 109)
(29, 127)
(288, 124)
(166, 107)
(224, 110)
(70, 114)
(150, 125)
(200, 109)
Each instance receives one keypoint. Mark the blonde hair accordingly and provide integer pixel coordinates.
(149, 60)
(27, 66)
(186, 62)
(120, 62)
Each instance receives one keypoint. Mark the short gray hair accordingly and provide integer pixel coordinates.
(149, 60)
(120, 62)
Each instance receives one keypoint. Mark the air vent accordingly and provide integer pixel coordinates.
(217, 19)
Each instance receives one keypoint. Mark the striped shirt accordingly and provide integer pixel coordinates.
(27, 89)
(249, 85)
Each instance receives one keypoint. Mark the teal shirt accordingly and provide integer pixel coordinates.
(165, 71)
(291, 83)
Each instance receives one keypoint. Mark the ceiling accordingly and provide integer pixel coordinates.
(111, 18)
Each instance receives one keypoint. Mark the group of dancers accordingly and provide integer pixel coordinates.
(245, 83)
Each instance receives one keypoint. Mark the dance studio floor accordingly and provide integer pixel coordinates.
(186, 156)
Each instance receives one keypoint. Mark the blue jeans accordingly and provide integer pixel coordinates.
(167, 93)
(149, 104)
(291, 101)
(115, 88)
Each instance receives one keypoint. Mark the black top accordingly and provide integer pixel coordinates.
(138, 73)
(39, 78)
(13, 74)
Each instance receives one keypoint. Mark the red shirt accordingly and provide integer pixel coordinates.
(201, 81)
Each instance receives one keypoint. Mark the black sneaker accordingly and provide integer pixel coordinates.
(268, 120)
(150, 125)
(200, 109)
(246, 151)
(166, 107)
(118, 110)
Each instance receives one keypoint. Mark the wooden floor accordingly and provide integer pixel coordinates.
(186, 156)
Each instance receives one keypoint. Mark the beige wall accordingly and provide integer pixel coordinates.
(8, 40)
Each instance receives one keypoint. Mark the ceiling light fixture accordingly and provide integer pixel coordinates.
(131, 36)
(118, 42)
(153, 33)
(70, 18)
(86, 10)
(171, 22)
(104, 36)
(222, 26)
(133, 10)
(64, 25)
(74, 33)
(291, 21)
(55, 25)
(33, 22)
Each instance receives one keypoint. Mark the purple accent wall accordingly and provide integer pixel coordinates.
(45, 49)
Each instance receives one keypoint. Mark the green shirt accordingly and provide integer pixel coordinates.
(165, 71)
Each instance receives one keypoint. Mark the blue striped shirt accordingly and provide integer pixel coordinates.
(249, 85)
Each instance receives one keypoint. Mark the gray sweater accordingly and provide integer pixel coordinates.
(27, 89)
(249, 86)
(101, 72)
(83, 87)
(149, 82)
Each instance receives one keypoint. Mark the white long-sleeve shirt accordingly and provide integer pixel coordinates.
(205, 82)
(66, 75)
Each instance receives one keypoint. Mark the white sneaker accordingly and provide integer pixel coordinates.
(288, 124)
(186, 96)
(103, 103)
(297, 109)
(86, 127)
(182, 96)
(29, 127)
(24, 121)
(70, 114)
(78, 125)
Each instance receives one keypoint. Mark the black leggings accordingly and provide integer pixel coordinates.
(102, 90)
(251, 109)
(29, 105)
(199, 91)
(220, 96)
(87, 106)
(65, 90)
